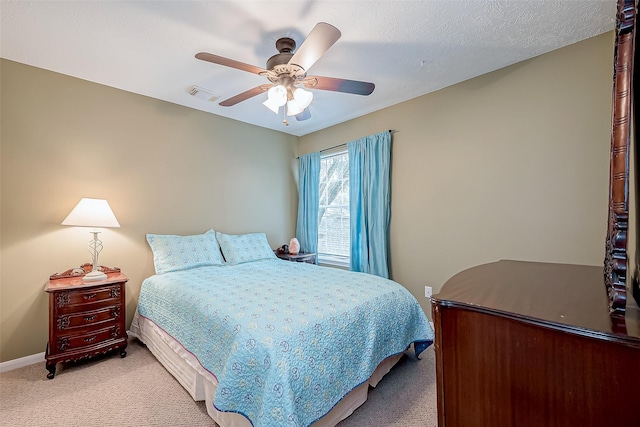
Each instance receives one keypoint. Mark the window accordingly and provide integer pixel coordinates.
(333, 216)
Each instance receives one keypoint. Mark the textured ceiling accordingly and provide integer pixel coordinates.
(407, 48)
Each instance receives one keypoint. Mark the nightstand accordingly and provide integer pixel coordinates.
(85, 319)
(300, 257)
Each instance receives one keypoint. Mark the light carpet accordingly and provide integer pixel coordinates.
(138, 391)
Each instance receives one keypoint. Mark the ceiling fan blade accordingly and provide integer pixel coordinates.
(245, 95)
(305, 115)
(319, 40)
(339, 85)
(229, 63)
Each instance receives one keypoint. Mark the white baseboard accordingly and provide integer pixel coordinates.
(10, 365)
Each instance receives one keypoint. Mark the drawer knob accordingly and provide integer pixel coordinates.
(63, 344)
(63, 322)
(89, 339)
(62, 300)
(90, 296)
(90, 318)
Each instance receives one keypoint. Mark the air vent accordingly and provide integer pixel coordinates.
(201, 93)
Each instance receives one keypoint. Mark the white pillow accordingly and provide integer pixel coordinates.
(240, 248)
(173, 253)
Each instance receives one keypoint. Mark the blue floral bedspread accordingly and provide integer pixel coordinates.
(286, 341)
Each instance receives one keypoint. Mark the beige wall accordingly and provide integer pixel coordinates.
(513, 164)
(162, 167)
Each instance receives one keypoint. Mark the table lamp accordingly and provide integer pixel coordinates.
(95, 213)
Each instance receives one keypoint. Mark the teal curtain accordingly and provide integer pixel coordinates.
(308, 202)
(370, 203)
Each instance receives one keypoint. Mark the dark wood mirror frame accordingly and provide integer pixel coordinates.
(622, 124)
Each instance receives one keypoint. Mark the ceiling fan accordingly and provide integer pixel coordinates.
(287, 74)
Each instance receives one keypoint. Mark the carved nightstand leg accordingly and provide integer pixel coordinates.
(123, 353)
(52, 370)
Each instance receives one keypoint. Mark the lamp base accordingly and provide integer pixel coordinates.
(94, 276)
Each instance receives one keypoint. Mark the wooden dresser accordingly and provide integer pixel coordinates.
(532, 344)
(85, 319)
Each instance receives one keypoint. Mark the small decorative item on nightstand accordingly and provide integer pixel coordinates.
(86, 319)
(299, 257)
(294, 246)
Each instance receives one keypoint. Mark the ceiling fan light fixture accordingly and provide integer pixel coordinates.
(276, 98)
(271, 105)
(294, 108)
(303, 97)
(301, 100)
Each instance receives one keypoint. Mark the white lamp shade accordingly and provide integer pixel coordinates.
(278, 94)
(92, 213)
(276, 98)
(293, 108)
(301, 100)
(270, 104)
(303, 97)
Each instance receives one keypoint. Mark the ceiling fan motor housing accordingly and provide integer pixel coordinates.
(279, 63)
(278, 59)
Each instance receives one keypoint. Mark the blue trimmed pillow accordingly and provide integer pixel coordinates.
(240, 248)
(174, 253)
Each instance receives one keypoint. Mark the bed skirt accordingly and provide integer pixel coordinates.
(201, 384)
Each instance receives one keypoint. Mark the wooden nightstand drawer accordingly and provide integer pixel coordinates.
(87, 318)
(80, 299)
(65, 343)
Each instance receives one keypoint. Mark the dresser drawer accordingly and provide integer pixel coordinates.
(83, 299)
(88, 318)
(65, 343)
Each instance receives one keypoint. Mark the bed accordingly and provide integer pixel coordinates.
(268, 342)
